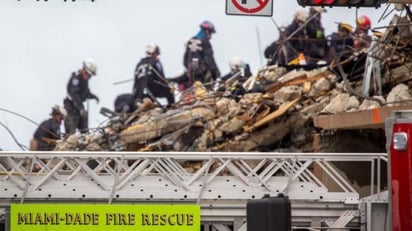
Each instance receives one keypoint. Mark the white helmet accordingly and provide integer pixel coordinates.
(58, 110)
(152, 48)
(63, 111)
(301, 14)
(236, 63)
(90, 66)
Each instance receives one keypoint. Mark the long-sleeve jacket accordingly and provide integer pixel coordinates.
(149, 74)
(200, 49)
(299, 41)
(278, 52)
(317, 45)
(47, 131)
(78, 91)
(341, 45)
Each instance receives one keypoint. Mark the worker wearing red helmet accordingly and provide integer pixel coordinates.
(198, 58)
(362, 38)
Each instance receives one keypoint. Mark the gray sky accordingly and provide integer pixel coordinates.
(41, 43)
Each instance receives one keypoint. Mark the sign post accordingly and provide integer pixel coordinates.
(249, 7)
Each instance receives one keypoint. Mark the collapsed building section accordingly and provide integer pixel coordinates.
(284, 109)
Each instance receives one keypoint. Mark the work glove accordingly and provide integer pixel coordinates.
(96, 98)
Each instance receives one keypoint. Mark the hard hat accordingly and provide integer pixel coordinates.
(152, 48)
(236, 63)
(345, 26)
(58, 110)
(301, 14)
(363, 22)
(90, 66)
(207, 25)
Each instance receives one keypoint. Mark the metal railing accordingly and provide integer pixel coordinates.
(221, 183)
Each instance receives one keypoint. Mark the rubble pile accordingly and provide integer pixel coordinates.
(277, 116)
(394, 49)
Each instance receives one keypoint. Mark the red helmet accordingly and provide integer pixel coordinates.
(363, 22)
(206, 25)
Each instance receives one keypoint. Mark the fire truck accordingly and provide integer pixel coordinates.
(322, 197)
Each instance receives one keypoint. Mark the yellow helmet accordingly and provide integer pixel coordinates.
(345, 26)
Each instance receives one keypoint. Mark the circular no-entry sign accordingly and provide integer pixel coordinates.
(249, 7)
(259, 7)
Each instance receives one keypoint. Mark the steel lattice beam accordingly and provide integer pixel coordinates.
(222, 184)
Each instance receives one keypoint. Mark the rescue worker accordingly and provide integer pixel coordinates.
(48, 132)
(77, 93)
(233, 81)
(298, 32)
(238, 69)
(361, 44)
(279, 52)
(317, 47)
(149, 80)
(342, 41)
(124, 103)
(362, 38)
(198, 58)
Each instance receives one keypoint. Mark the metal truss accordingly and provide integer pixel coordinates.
(221, 183)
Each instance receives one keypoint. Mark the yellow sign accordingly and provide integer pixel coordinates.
(93, 217)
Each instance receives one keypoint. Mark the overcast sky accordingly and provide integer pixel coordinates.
(41, 43)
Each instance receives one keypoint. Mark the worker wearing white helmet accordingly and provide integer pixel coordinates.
(77, 93)
(239, 73)
(149, 78)
(152, 49)
(297, 31)
(307, 36)
(236, 64)
(238, 68)
(318, 46)
(301, 14)
(48, 132)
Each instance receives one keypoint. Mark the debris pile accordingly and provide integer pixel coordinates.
(278, 116)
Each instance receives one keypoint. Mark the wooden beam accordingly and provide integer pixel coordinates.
(296, 81)
(373, 118)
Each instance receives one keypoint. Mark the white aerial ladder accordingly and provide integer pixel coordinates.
(222, 185)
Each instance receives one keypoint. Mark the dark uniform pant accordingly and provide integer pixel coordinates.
(73, 119)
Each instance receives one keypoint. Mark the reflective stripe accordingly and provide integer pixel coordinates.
(69, 97)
